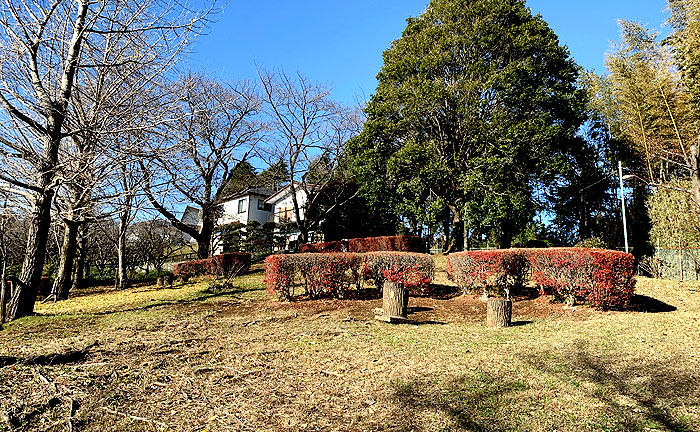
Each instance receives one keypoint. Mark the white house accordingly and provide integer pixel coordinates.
(256, 204)
(244, 207)
(247, 206)
(283, 206)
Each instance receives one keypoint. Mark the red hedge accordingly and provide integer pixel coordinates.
(218, 265)
(335, 273)
(389, 243)
(497, 271)
(328, 247)
(602, 278)
(330, 273)
(414, 270)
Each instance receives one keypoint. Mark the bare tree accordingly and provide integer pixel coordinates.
(11, 237)
(48, 47)
(155, 241)
(309, 131)
(217, 128)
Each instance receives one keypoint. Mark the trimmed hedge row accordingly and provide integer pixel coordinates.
(327, 247)
(388, 243)
(602, 278)
(218, 265)
(500, 272)
(335, 273)
(368, 244)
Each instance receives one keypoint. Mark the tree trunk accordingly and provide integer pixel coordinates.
(446, 230)
(498, 312)
(80, 255)
(695, 175)
(122, 278)
(505, 240)
(63, 282)
(3, 292)
(204, 239)
(457, 240)
(24, 296)
(467, 245)
(395, 304)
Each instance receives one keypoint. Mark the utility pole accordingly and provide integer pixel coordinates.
(622, 200)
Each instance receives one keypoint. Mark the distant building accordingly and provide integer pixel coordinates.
(260, 205)
(283, 206)
(247, 206)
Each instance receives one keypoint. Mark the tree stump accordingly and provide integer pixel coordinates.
(395, 304)
(498, 312)
(159, 281)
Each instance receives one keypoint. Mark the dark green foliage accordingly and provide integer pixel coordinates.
(476, 104)
(254, 238)
(274, 176)
(244, 177)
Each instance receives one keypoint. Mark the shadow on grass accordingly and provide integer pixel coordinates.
(627, 395)
(642, 303)
(472, 403)
(520, 323)
(635, 394)
(416, 309)
(443, 292)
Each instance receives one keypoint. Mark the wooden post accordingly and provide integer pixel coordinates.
(395, 304)
(498, 312)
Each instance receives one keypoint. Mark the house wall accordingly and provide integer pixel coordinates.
(284, 206)
(251, 212)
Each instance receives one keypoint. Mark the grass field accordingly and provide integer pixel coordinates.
(185, 359)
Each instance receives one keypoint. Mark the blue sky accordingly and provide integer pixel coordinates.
(340, 43)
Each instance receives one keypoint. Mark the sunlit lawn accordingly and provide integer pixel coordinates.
(185, 358)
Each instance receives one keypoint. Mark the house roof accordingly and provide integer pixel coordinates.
(260, 191)
(285, 191)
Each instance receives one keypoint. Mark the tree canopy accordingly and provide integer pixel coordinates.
(476, 104)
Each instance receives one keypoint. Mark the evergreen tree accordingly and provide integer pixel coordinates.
(476, 104)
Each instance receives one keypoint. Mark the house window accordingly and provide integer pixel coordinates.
(264, 207)
(242, 205)
(285, 214)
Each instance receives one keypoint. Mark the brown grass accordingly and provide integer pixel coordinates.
(188, 360)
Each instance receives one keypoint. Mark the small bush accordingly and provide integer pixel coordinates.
(390, 243)
(191, 268)
(332, 274)
(414, 270)
(592, 243)
(497, 272)
(328, 247)
(652, 266)
(279, 275)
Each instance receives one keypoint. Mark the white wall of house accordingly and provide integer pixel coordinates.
(284, 205)
(245, 209)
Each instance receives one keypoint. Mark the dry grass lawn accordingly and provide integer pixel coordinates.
(184, 359)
